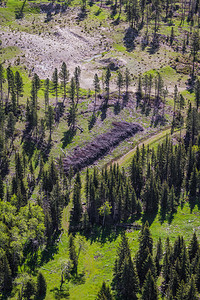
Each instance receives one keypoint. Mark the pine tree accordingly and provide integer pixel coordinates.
(18, 86)
(149, 289)
(73, 255)
(192, 290)
(196, 90)
(158, 257)
(46, 94)
(197, 276)
(129, 280)
(11, 121)
(49, 120)
(2, 79)
(157, 14)
(193, 247)
(55, 84)
(72, 113)
(167, 262)
(120, 83)
(76, 212)
(174, 283)
(164, 199)
(150, 195)
(87, 184)
(77, 74)
(193, 182)
(36, 84)
(172, 36)
(107, 83)
(139, 90)
(1, 188)
(64, 78)
(195, 46)
(142, 7)
(181, 292)
(5, 276)
(123, 251)
(96, 89)
(178, 247)
(125, 280)
(104, 293)
(175, 102)
(10, 80)
(145, 248)
(14, 102)
(136, 176)
(127, 80)
(185, 265)
(147, 265)
(28, 289)
(41, 287)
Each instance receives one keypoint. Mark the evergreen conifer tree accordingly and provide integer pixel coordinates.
(2, 79)
(64, 78)
(73, 255)
(193, 247)
(104, 293)
(41, 286)
(55, 84)
(96, 89)
(192, 290)
(149, 289)
(18, 86)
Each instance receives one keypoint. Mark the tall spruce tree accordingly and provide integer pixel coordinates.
(120, 83)
(149, 289)
(107, 84)
(96, 89)
(145, 248)
(2, 79)
(41, 287)
(73, 255)
(18, 86)
(72, 112)
(64, 78)
(55, 84)
(125, 279)
(46, 94)
(77, 74)
(193, 247)
(196, 91)
(104, 293)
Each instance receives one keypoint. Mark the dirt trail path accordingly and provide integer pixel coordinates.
(146, 141)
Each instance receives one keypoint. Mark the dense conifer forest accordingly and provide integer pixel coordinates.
(100, 149)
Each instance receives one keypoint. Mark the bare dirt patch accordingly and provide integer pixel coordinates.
(43, 53)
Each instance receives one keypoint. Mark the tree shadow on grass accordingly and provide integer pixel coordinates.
(103, 109)
(29, 147)
(82, 15)
(97, 13)
(193, 201)
(51, 249)
(61, 294)
(149, 217)
(125, 98)
(68, 137)
(103, 234)
(117, 108)
(129, 39)
(78, 279)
